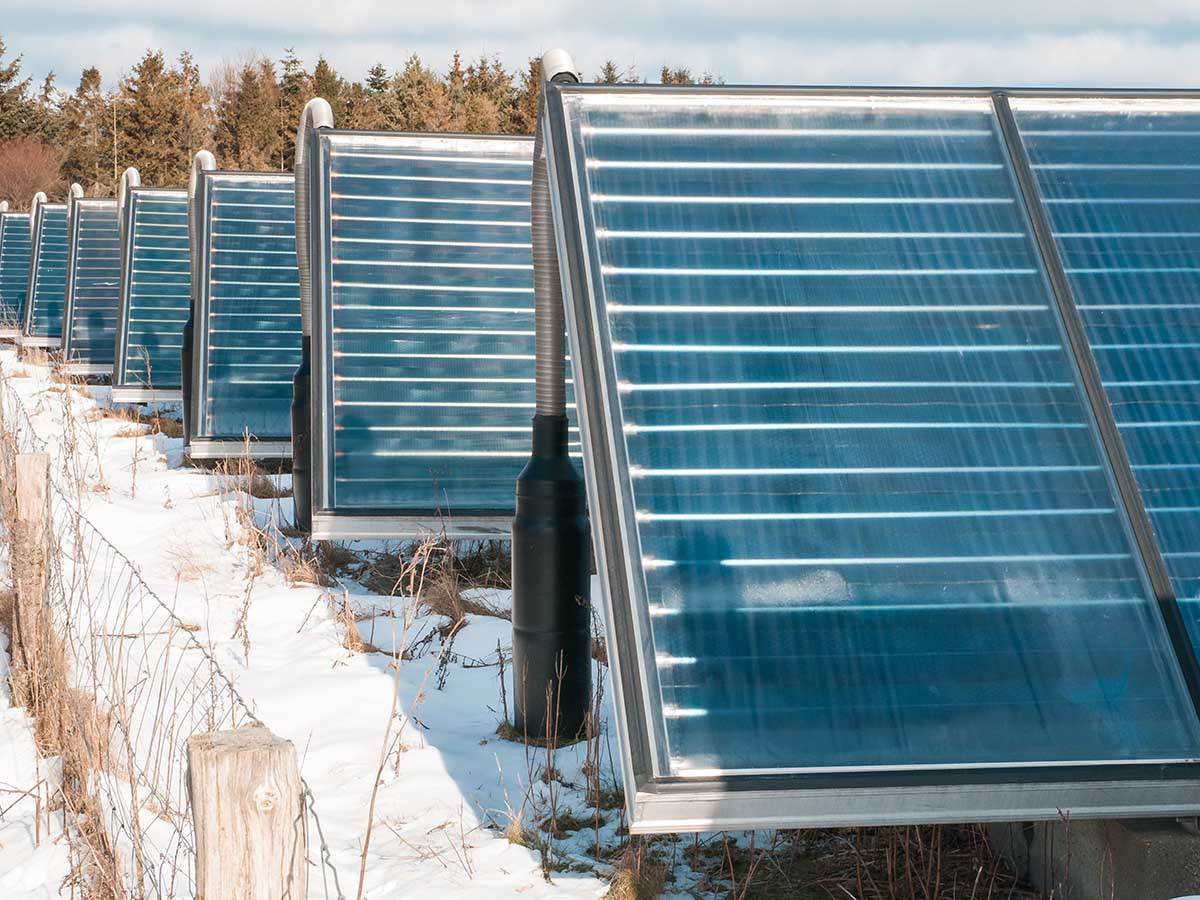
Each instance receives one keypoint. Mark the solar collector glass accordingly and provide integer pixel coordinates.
(250, 342)
(93, 285)
(15, 246)
(156, 290)
(47, 277)
(1120, 182)
(868, 519)
(425, 326)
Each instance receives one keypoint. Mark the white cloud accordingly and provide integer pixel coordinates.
(764, 41)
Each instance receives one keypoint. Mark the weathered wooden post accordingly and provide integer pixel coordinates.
(248, 813)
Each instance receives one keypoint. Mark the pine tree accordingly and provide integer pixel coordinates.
(248, 134)
(90, 143)
(490, 93)
(17, 111)
(328, 84)
(525, 103)
(162, 118)
(456, 93)
(377, 79)
(196, 117)
(295, 89)
(421, 100)
(681, 75)
(609, 73)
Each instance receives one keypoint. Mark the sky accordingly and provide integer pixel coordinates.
(998, 42)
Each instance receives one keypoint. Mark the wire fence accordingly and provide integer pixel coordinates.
(119, 683)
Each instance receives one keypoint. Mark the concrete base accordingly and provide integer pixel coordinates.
(1127, 859)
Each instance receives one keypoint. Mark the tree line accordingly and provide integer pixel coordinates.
(162, 111)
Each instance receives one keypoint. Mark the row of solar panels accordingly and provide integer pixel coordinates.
(425, 343)
(888, 405)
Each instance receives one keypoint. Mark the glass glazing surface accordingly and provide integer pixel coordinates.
(48, 274)
(875, 525)
(1121, 185)
(159, 289)
(15, 246)
(96, 260)
(253, 307)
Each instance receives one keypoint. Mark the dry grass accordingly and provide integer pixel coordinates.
(137, 424)
(637, 875)
(450, 577)
(68, 723)
(8, 606)
(352, 638)
(188, 564)
(243, 473)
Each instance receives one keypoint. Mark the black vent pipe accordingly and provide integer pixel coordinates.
(551, 537)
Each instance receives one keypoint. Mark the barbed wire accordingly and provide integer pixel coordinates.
(137, 682)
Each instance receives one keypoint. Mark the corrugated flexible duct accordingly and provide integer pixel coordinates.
(550, 321)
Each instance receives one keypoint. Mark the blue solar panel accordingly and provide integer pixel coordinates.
(424, 335)
(93, 281)
(1121, 183)
(853, 511)
(15, 242)
(47, 277)
(248, 319)
(155, 293)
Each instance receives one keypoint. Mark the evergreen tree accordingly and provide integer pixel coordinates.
(490, 92)
(328, 84)
(364, 108)
(681, 75)
(91, 144)
(377, 79)
(247, 135)
(295, 89)
(17, 111)
(609, 73)
(196, 117)
(456, 94)
(421, 100)
(161, 118)
(525, 103)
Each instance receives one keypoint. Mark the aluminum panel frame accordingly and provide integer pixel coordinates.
(835, 799)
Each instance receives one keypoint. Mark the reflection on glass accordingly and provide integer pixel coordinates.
(48, 273)
(432, 321)
(253, 306)
(14, 267)
(876, 527)
(1121, 184)
(159, 289)
(96, 259)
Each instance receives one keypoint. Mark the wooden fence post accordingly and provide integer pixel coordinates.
(29, 568)
(248, 813)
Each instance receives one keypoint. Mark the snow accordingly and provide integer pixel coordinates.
(445, 799)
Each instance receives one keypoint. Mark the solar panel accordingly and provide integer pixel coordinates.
(1121, 184)
(865, 557)
(155, 292)
(47, 277)
(423, 331)
(93, 280)
(15, 243)
(247, 333)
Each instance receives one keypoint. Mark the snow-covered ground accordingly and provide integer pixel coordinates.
(402, 747)
(449, 795)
